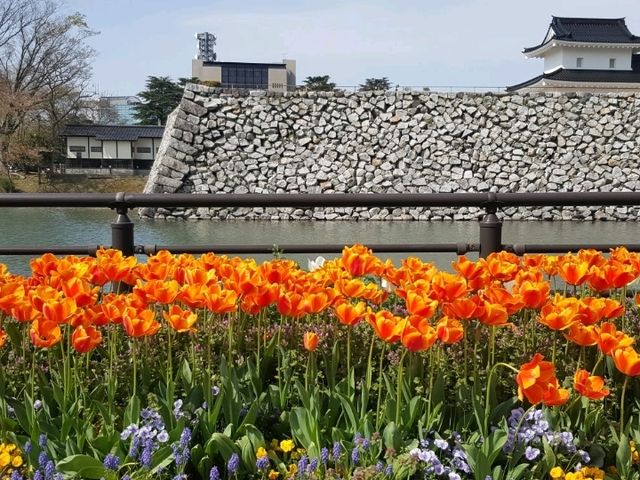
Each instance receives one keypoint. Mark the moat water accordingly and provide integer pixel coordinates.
(60, 226)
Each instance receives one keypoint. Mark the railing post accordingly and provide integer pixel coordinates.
(490, 228)
(122, 229)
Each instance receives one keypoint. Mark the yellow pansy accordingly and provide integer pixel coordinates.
(16, 461)
(273, 475)
(5, 459)
(287, 445)
(261, 452)
(556, 473)
(293, 469)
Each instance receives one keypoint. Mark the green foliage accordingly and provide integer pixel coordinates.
(319, 83)
(159, 98)
(6, 185)
(375, 84)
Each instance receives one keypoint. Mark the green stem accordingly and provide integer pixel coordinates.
(380, 380)
(134, 354)
(624, 391)
(399, 386)
(349, 362)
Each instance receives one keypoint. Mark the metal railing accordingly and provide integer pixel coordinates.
(490, 238)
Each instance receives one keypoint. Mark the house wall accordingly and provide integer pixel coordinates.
(124, 149)
(77, 143)
(596, 58)
(277, 79)
(143, 143)
(109, 149)
(553, 60)
(93, 143)
(205, 73)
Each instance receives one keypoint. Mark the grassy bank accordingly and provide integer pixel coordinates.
(78, 184)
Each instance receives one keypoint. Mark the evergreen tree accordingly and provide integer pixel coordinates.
(160, 97)
(371, 84)
(319, 83)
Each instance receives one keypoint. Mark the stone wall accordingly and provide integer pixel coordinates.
(398, 142)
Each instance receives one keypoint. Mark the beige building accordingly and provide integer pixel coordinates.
(275, 77)
(588, 55)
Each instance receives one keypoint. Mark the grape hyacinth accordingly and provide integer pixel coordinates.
(528, 430)
(214, 473)
(111, 462)
(442, 458)
(145, 438)
(233, 464)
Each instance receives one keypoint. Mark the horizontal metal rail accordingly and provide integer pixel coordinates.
(490, 225)
(181, 200)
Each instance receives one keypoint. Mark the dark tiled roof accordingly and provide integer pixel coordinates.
(589, 30)
(244, 64)
(113, 132)
(591, 76)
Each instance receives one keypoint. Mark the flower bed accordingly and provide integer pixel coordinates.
(217, 367)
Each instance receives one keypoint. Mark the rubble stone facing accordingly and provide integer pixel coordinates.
(398, 142)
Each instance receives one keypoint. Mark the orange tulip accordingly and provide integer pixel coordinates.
(59, 310)
(573, 271)
(318, 301)
(10, 294)
(3, 338)
(611, 275)
(447, 287)
(113, 307)
(537, 383)
(498, 295)
(80, 290)
(358, 260)
(220, 300)
(492, 314)
(476, 273)
(583, 335)
(560, 313)
(384, 324)
(351, 288)
(24, 311)
(113, 265)
(139, 323)
(310, 341)
(534, 294)
(349, 314)
(290, 304)
(627, 361)
(45, 333)
(416, 334)
(85, 338)
(93, 315)
(612, 309)
(589, 386)
(449, 330)
(461, 308)
(418, 304)
(191, 295)
(180, 320)
(611, 339)
(503, 266)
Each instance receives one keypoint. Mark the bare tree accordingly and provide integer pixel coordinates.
(44, 66)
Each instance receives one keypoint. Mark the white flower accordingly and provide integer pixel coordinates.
(315, 264)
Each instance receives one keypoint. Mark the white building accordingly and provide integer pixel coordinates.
(129, 147)
(586, 55)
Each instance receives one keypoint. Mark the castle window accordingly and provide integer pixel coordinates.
(612, 63)
(579, 62)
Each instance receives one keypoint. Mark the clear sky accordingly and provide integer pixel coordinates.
(412, 42)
